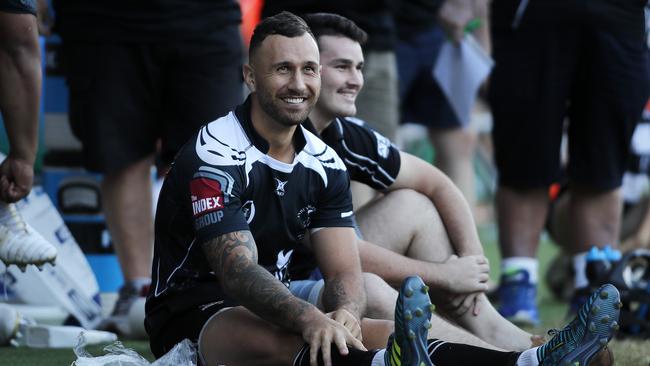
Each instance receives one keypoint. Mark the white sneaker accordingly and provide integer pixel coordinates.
(20, 244)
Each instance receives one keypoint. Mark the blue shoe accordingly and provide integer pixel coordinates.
(408, 345)
(518, 295)
(594, 326)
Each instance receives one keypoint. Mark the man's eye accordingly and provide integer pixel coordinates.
(283, 69)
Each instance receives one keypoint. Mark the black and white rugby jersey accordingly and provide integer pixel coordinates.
(370, 157)
(222, 181)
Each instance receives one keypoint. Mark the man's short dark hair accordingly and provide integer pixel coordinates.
(284, 24)
(327, 24)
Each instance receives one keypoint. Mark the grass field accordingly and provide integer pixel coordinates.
(632, 353)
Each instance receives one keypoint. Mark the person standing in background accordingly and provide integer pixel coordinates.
(423, 27)
(140, 74)
(582, 60)
(20, 94)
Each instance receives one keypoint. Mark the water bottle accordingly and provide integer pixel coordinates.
(597, 266)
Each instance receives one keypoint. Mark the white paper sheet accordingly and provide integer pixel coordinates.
(460, 70)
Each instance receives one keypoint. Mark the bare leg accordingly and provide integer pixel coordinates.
(407, 223)
(454, 156)
(595, 217)
(423, 237)
(521, 216)
(127, 206)
(381, 299)
(361, 194)
(238, 337)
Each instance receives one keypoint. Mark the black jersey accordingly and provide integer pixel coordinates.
(369, 157)
(223, 181)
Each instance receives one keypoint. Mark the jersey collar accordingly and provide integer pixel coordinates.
(243, 114)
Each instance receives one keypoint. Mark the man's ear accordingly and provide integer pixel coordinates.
(249, 77)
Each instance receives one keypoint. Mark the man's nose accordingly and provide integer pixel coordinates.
(297, 82)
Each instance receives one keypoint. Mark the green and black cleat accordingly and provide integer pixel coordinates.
(408, 345)
(593, 327)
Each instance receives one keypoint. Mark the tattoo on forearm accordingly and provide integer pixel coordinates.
(233, 257)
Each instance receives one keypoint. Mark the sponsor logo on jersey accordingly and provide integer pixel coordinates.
(209, 190)
(279, 188)
(209, 219)
(383, 145)
(207, 194)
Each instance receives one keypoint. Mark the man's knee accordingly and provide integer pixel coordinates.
(421, 207)
(380, 297)
(236, 336)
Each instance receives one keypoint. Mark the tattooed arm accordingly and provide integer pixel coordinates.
(338, 259)
(233, 257)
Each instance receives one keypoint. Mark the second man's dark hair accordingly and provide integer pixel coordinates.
(284, 24)
(327, 24)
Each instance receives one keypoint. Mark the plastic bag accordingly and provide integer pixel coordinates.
(183, 354)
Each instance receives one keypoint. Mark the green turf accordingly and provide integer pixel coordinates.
(552, 314)
(48, 357)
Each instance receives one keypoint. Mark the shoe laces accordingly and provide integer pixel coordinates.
(12, 219)
(570, 333)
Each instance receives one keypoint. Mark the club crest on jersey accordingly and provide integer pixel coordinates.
(305, 214)
(279, 187)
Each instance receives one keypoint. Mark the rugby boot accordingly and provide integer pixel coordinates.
(584, 339)
(118, 322)
(517, 297)
(20, 244)
(408, 345)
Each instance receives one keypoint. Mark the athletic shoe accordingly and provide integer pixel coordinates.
(518, 295)
(408, 345)
(20, 244)
(584, 338)
(118, 321)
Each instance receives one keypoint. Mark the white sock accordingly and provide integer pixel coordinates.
(378, 359)
(528, 358)
(527, 263)
(580, 268)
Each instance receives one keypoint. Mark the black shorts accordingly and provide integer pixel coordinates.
(18, 6)
(422, 101)
(125, 97)
(169, 323)
(598, 78)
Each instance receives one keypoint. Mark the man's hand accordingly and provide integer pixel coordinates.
(16, 179)
(456, 306)
(348, 320)
(320, 332)
(454, 15)
(465, 275)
